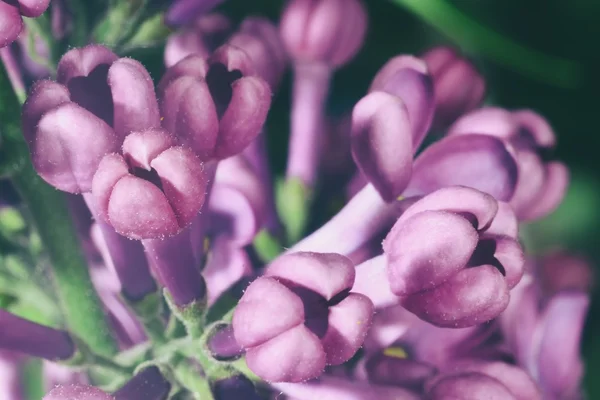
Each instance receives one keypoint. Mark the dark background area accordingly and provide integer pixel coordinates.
(565, 29)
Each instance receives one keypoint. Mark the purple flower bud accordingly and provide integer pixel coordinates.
(184, 11)
(560, 271)
(381, 143)
(259, 38)
(202, 37)
(459, 88)
(394, 371)
(18, 334)
(330, 388)
(77, 392)
(153, 190)
(478, 161)
(222, 344)
(148, 384)
(233, 102)
(11, 22)
(315, 321)
(408, 78)
(468, 386)
(541, 185)
(460, 275)
(323, 31)
(234, 388)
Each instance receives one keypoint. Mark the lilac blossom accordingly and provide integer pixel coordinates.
(459, 88)
(461, 274)
(316, 50)
(301, 308)
(184, 11)
(10, 383)
(542, 184)
(11, 13)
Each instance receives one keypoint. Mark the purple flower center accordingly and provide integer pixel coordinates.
(147, 175)
(484, 254)
(93, 93)
(219, 81)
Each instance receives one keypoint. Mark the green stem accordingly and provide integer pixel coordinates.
(78, 299)
(469, 33)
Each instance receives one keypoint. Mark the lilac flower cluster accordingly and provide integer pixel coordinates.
(417, 288)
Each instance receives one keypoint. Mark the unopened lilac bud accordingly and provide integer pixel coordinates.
(323, 31)
(18, 334)
(153, 190)
(233, 102)
(407, 77)
(201, 37)
(77, 392)
(315, 322)
(478, 161)
(147, 384)
(382, 143)
(184, 11)
(468, 386)
(260, 39)
(235, 387)
(11, 21)
(541, 185)
(222, 344)
(459, 88)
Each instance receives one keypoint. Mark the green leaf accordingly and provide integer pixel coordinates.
(292, 199)
(267, 246)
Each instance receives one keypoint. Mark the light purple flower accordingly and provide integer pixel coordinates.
(459, 88)
(301, 310)
(155, 189)
(11, 13)
(215, 106)
(184, 11)
(542, 184)
(82, 392)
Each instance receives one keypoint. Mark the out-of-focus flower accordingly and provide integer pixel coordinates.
(20, 335)
(542, 184)
(154, 189)
(11, 13)
(201, 37)
(10, 380)
(301, 310)
(543, 325)
(185, 11)
(70, 125)
(235, 387)
(459, 88)
(215, 106)
(68, 392)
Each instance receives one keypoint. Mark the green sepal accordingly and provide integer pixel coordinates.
(267, 246)
(293, 199)
(192, 315)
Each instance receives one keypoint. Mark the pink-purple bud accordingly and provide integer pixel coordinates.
(382, 143)
(153, 190)
(323, 31)
(184, 11)
(215, 106)
(407, 77)
(459, 88)
(541, 184)
(11, 13)
(301, 316)
(201, 37)
(445, 266)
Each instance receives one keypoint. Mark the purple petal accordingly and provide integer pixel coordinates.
(559, 365)
(505, 222)
(226, 265)
(555, 187)
(193, 65)
(267, 309)
(329, 32)
(536, 126)
(427, 249)
(43, 97)
(110, 170)
(559, 270)
(478, 161)
(244, 117)
(372, 281)
(492, 121)
(349, 322)
(140, 148)
(382, 144)
(468, 202)
(232, 215)
(327, 274)
(294, 356)
(395, 371)
(184, 11)
(510, 255)
(468, 386)
(68, 146)
(407, 77)
(472, 296)
(135, 105)
(33, 8)
(11, 23)
(190, 114)
(530, 184)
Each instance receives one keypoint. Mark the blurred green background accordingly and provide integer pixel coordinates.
(562, 29)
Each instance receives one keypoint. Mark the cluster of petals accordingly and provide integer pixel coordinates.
(11, 17)
(301, 316)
